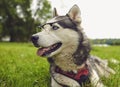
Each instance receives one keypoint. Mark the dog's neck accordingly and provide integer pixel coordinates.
(65, 59)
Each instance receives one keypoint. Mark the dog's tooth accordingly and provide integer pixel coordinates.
(45, 49)
(52, 47)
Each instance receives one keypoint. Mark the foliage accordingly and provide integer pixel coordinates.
(16, 19)
(20, 67)
(43, 11)
(106, 41)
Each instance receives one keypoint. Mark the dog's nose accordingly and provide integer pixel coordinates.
(34, 38)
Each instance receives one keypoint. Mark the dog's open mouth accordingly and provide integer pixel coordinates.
(44, 51)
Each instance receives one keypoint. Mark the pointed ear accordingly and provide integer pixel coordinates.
(74, 13)
(55, 12)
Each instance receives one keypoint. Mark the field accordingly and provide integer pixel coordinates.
(21, 67)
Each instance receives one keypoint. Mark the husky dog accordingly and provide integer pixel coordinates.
(67, 49)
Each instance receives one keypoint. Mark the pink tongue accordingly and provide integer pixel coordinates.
(41, 51)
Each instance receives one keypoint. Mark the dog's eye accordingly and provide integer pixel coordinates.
(54, 27)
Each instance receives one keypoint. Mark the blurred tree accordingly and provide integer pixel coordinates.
(16, 20)
(43, 11)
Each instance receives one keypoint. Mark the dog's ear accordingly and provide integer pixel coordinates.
(74, 13)
(55, 12)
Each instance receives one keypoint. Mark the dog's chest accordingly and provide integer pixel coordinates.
(66, 63)
(65, 59)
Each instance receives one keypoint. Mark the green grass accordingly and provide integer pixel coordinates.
(21, 67)
(110, 53)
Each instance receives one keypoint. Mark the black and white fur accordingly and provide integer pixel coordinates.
(74, 51)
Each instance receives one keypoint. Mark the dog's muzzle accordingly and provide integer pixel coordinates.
(44, 50)
(34, 39)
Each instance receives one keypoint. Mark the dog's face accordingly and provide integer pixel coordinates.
(58, 33)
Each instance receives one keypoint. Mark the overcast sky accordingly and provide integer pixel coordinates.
(100, 18)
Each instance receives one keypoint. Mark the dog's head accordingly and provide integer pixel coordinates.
(60, 33)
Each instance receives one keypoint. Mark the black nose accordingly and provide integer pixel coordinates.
(35, 38)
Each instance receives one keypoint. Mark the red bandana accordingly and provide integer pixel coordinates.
(84, 72)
